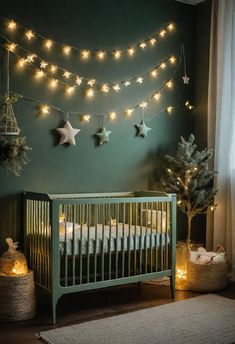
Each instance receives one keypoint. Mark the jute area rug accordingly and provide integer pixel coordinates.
(206, 319)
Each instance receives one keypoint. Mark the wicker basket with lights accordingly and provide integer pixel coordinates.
(17, 290)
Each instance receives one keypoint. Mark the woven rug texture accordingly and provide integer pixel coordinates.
(206, 319)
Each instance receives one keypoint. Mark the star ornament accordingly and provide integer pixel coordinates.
(142, 129)
(67, 134)
(185, 79)
(103, 136)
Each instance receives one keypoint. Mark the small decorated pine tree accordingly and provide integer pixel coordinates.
(188, 175)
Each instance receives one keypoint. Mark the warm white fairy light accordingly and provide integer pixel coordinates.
(112, 115)
(91, 82)
(66, 74)
(127, 83)
(163, 33)
(11, 47)
(53, 83)
(139, 80)
(153, 41)
(179, 202)
(131, 51)
(48, 44)
(11, 25)
(129, 111)
(53, 69)
(143, 105)
(39, 74)
(43, 64)
(29, 34)
(154, 73)
(70, 90)
(171, 27)
(116, 88)
(143, 45)
(163, 65)
(169, 84)
(172, 59)
(105, 88)
(30, 58)
(78, 80)
(117, 54)
(169, 109)
(67, 50)
(85, 54)
(101, 55)
(86, 118)
(157, 96)
(21, 63)
(45, 109)
(90, 93)
(169, 170)
(190, 107)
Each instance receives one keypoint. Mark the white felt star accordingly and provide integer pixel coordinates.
(186, 79)
(142, 129)
(67, 134)
(103, 136)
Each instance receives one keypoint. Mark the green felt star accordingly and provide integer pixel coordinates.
(142, 129)
(103, 136)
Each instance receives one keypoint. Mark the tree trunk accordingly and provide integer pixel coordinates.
(189, 228)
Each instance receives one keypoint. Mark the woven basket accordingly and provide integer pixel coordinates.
(207, 278)
(17, 295)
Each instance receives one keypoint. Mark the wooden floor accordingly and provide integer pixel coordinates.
(81, 307)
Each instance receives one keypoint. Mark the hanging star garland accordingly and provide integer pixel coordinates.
(103, 136)
(142, 129)
(186, 79)
(67, 134)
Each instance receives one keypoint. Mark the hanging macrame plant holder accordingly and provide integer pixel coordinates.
(8, 122)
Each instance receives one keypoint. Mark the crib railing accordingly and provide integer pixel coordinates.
(80, 242)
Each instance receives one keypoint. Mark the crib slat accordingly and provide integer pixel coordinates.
(102, 254)
(123, 238)
(166, 233)
(151, 237)
(95, 253)
(146, 237)
(135, 238)
(157, 239)
(129, 238)
(81, 206)
(88, 208)
(141, 233)
(110, 239)
(117, 221)
(65, 251)
(73, 257)
(162, 248)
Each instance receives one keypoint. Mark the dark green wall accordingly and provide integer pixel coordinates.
(127, 162)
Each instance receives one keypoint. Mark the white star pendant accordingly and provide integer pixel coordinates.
(103, 136)
(142, 129)
(185, 79)
(67, 134)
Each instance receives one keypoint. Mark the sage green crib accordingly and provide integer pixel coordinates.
(77, 242)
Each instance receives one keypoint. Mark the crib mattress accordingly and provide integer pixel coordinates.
(104, 239)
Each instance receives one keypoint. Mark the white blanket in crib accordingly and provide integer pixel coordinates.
(103, 238)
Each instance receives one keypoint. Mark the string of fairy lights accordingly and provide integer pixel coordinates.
(53, 73)
(67, 49)
(45, 69)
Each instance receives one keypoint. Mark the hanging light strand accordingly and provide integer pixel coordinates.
(50, 70)
(85, 53)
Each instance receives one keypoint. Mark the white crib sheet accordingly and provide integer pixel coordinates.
(128, 236)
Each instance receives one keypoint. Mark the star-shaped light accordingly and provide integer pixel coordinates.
(185, 79)
(91, 82)
(142, 129)
(67, 134)
(103, 136)
(43, 64)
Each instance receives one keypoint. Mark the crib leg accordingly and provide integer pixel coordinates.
(172, 284)
(53, 308)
